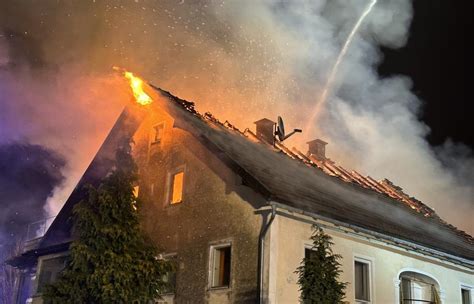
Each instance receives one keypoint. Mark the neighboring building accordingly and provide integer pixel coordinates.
(235, 211)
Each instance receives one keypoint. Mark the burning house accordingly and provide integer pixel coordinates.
(235, 209)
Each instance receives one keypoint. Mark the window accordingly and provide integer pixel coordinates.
(466, 296)
(362, 281)
(220, 266)
(308, 252)
(50, 271)
(157, 133)
(136, 189)
(418, 288)
(169, 278)
(170, 282)
(176, 189)
(152, 189)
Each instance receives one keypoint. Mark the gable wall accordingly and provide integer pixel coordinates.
(215, 209)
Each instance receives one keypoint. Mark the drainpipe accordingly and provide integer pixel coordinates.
(261, 249)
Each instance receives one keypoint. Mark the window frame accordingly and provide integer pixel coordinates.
(212, 250)
(169, 185)
(370, 272)
(470, 289)
(39, 269)
(408, 272)
(153, 139)
(172, 258)
(307, 246)
(398, 282)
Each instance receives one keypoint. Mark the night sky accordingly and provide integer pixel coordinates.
(437, 58)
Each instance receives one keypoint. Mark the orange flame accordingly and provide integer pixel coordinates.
(137, 87)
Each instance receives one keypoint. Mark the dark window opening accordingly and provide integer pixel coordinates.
(158, 133)
(308, 253)
(50, 271)
(221, 266)
(169, 278)
(362, 281)
(466, 296)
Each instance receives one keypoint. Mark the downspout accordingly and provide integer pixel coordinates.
(261, 252)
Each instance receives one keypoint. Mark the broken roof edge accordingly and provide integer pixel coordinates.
(209, 118)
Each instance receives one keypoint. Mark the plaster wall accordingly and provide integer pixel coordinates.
(215, 209)
(289, 237)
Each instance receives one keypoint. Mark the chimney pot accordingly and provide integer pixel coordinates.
(317, 148)
(266, 130)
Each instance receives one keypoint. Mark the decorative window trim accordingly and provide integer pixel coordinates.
(370, 261)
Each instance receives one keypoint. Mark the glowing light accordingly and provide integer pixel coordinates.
(137, 87)
(177, 190)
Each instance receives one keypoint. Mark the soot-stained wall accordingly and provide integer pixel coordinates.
(216, 207)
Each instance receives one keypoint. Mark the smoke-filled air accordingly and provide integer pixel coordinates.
(242, 61)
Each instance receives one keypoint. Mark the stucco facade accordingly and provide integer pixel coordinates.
(216, 209)
(289, 237)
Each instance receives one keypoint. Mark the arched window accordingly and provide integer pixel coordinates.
(417, 288)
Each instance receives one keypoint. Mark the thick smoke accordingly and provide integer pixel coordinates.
(241, 60)
(28, 175)
(58, 107)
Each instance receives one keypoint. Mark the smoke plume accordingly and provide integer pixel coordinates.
(241, 60)
(28, 175)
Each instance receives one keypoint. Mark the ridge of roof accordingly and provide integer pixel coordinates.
(329, 167)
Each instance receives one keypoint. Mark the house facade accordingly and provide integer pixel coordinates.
(235, 211)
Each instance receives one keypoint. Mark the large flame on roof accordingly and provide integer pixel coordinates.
(136, 84)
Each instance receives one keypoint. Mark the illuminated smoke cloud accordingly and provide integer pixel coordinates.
(243, 60)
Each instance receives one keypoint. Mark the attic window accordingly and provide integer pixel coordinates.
(158, 133)
(176, 187)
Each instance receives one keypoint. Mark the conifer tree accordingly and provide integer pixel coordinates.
(319, 272)
(111, 259)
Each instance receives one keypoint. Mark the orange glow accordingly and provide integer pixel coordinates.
(135, 191)
(137, 87)
(177, 190)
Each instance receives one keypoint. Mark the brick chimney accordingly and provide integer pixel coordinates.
(265, 130)
(317, 148)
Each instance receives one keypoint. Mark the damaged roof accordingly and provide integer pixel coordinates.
(285, 176)
(289, 177)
